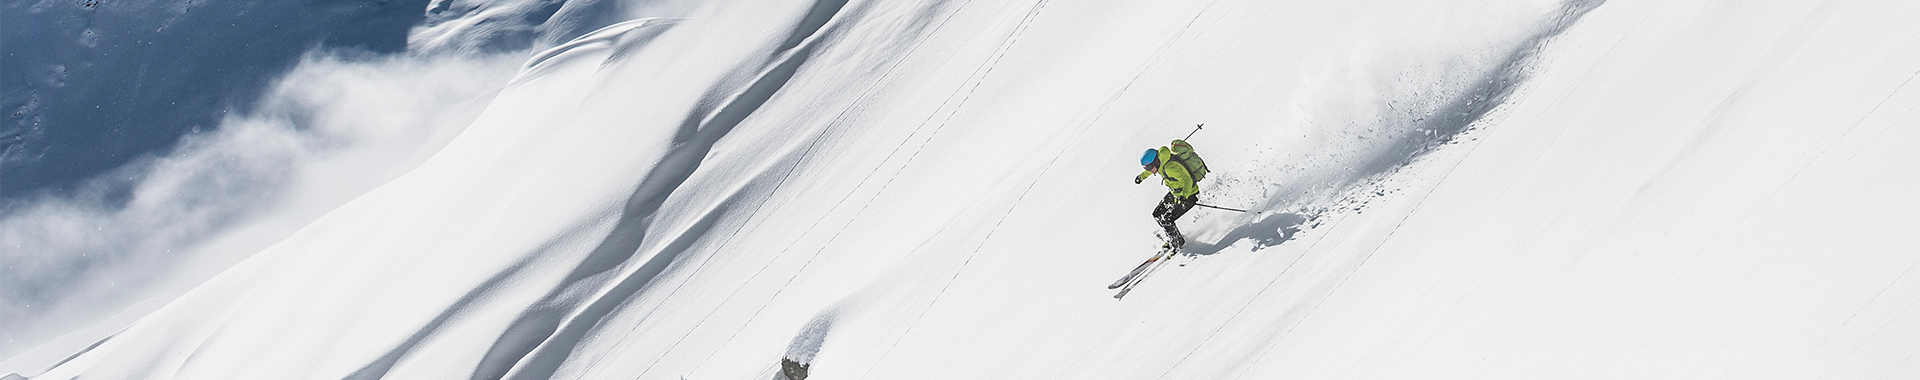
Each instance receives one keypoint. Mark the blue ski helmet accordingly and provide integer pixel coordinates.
(1151, 156)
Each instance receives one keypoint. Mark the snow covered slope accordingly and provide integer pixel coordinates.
(884, 190)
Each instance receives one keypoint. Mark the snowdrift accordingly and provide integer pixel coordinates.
(935, 189)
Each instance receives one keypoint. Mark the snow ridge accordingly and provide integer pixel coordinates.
(722, 108)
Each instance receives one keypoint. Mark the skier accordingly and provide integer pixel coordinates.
(1180, 169)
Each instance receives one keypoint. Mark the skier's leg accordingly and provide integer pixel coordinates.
(1178, 208)
(1166, 212)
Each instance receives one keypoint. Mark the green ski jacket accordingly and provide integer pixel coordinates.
(1172, 174)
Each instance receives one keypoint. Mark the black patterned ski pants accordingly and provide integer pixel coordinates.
(1170, 209)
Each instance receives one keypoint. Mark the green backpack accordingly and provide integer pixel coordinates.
(1183, 153)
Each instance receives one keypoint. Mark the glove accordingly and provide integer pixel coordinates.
(1136, 180)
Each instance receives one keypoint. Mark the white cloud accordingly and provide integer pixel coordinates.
(335, 126)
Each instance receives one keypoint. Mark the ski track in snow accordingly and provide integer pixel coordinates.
(1429, 132)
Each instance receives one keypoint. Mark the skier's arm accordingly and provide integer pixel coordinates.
(1142, 177)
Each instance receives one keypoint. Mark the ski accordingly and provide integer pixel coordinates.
(1145, 269)
(1136, 270)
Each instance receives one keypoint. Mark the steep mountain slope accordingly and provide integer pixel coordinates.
(938, 190)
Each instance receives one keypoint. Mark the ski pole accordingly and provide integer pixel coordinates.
(1218, 207)
(1196, 129)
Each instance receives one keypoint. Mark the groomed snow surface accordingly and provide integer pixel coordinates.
(1634, 189)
